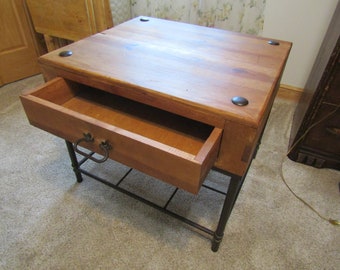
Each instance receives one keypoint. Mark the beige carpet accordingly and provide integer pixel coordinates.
(48, 221)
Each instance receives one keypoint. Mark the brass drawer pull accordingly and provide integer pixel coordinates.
(104, 145)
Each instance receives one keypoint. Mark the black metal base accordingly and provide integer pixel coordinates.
(230, 197)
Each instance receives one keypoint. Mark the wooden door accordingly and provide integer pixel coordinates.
(18, 54)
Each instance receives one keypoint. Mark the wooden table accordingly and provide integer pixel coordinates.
(172, 100)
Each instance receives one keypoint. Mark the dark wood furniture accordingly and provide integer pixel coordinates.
(159, 96)
(315, 136)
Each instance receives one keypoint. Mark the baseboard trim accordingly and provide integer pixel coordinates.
(290, 92)
(291, 88)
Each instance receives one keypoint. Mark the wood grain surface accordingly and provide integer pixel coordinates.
(188, 70)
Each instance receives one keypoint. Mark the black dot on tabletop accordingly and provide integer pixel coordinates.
(240, 101)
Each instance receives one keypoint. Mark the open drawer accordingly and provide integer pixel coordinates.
(177, 150)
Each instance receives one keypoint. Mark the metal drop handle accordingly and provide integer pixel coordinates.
(104, 145)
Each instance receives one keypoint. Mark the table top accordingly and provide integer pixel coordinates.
(200, 67)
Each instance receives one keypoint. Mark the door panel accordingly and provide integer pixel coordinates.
(18, 55)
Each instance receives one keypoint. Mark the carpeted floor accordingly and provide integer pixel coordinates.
(48, 221)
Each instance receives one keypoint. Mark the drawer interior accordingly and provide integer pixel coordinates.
(161, 126)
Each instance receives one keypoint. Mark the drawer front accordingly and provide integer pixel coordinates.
(326, 135)
(172, 165)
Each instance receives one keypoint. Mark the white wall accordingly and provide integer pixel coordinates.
(303, 22)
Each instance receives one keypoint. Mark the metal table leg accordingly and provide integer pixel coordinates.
(74, 161)
(233, 191)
